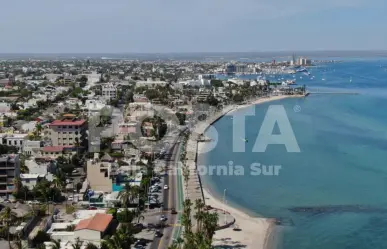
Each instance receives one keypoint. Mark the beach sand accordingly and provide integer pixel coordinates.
(255, 232)
(264, 100)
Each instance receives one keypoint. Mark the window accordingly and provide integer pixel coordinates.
(70, 126)
(27, 180)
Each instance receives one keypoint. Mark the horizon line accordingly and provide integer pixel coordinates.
(198, 52)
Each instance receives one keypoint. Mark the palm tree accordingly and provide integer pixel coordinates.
(77, 244)
(55, 244)
(122, 239)
(139, 215)
(17, 183)
(186, 216)
(91, 246)
(38, 129)
(7, 218)
(210, 223)
(199, 216)
(57, 182)
(128, 193)
(18, 244)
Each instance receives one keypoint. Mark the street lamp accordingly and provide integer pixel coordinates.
(224, 206)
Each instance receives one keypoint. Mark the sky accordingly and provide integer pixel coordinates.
(164, 26)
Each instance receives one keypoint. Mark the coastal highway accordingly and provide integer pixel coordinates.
(170, 199)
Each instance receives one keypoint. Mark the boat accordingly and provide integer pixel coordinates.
(291, 82)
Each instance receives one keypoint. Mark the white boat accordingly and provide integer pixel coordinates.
(291, 82)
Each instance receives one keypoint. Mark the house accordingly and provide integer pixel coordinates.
(93, 229)
(30, 180)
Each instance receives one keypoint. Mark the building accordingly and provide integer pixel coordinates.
(232, 68)
(68, 132)
(9, 169)
(5, 107)
(16, 140)
(58, 151)
(150, 83)
(32, 148)
(93, 229)
(109, 91)
(302, 61)
(99, 175)
(30, 180)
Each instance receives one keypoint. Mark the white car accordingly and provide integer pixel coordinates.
(166, 187)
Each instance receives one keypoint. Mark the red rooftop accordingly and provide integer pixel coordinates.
(68, 122)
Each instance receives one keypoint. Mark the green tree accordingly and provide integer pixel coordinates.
(40, 238)
(77, 244)
(128, 193)
(122, 239)
(91, 246)
(7, 217)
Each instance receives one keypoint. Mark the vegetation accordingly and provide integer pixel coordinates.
(122, 239)
(206, 224)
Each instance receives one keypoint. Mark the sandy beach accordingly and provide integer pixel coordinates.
(264, 100)
(255, 232)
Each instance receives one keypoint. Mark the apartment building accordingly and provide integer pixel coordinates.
(99, 175)
(68, 132)
(109, 91)
(9, 169)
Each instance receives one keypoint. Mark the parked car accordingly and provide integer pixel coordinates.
(173, 211)
(166, 187)
(158, 234)
(163, 218)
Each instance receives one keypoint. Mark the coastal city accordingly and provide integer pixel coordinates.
(102, 153)
(193, 124)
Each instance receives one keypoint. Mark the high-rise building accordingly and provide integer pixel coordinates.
(9, 170)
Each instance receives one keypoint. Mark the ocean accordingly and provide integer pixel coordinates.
(341, 167)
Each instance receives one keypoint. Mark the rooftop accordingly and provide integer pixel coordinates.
(99, 222)
(55, 148)
(68, 122)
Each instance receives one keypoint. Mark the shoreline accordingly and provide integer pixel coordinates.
(257, 233)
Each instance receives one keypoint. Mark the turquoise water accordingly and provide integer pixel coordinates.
(343, 161)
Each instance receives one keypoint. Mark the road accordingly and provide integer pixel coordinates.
(171, 200)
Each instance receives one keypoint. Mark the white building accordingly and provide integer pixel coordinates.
(32, 148)
(30, 180)
(15, 139)
(93, 106)
(5, 107)
(109, 91)
(150, 83)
